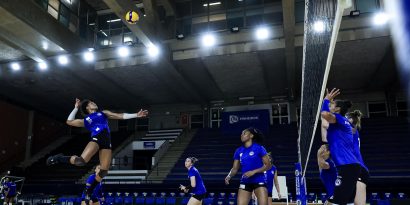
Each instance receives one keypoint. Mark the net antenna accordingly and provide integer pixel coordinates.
(320, 37)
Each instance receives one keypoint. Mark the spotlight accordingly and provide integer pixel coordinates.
(180, 36)
(262, 33)
(380, 18)
(88, 56)
(45, 45)
(153, 51)
(63, 60)
(319, 26)
(15, 66)
(42, 65)
(208, 40)
(123, 51)
(235, 29)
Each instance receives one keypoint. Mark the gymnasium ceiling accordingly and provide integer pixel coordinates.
(359, 64)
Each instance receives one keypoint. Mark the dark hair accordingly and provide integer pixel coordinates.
(344, 106)
(257, 135)
(83, 107)
(193, 159)
(356, 116)
(270, 157)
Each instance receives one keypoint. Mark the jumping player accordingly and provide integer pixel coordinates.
(355, 119)
(340, 139)
(97, 123)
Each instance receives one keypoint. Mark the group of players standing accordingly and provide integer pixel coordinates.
(344, 173)
(341, 165)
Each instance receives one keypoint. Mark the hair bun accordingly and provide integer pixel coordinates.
(357, 113)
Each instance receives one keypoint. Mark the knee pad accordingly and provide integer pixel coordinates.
(103, 173)
(79, 161)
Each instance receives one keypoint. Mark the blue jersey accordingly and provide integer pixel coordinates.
(96, 122)
(97, 193)
(270, 175)
(200, 186)
(251, 159)
(11, 188)
(340, 139)
(328, 177)
(356, 142)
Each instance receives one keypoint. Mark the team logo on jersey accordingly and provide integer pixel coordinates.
(89, 120)
(233, 119)
(251, 153)
(297, 173)
(99, 114)
(338, 182)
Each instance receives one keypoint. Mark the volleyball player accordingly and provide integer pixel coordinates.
(253, 159)
(196, 186)
(327, 169)
(10, 191)
(97, 123)
(272, 179)
(97, 196)
(355, 119)
(340, 139)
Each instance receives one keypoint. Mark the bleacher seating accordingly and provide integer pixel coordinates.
(384, 144)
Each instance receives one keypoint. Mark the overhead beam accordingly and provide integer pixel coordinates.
(142, 29)
(22, 46)
(34, 17)
(289, 32)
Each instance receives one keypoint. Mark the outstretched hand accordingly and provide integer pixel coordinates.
(142, 113)
(330, 96)
(77, 103)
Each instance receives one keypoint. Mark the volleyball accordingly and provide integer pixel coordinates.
(132, 17)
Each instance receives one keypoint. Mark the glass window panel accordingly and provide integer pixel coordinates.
(254, 17)
(64, 20)
(253, 2)
(217, 25)
(232, 4)
(102, 22)
(198, 7)
(273, 18)
(52, 12)
(54, 3)
(285, 120)
(200, 28)
(183, 9)
(235, 19)
(366, 6)
(43, 4)
(299, 11)
(64, 11)
(377, 107)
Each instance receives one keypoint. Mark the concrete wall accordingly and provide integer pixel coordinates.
(168, 116)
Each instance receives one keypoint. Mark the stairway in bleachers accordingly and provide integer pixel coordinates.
(170, 134)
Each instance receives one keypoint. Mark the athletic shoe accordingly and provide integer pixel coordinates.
(52, 160)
